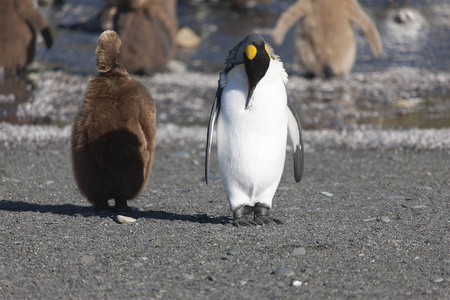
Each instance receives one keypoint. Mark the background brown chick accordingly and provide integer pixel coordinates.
(113, 137)
(19, 22)
(325, 42)
(147, 29)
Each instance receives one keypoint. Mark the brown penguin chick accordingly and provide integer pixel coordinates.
(147, 29)
(113, 136)
(325, 41)
(19, 21)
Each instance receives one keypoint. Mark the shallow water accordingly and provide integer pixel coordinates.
(423, 45)
(431, 112)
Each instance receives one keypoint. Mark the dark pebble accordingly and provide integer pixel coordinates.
(283, 271)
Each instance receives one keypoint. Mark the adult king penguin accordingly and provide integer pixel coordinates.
(254, 117)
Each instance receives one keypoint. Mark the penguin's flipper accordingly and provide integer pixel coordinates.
(48, 38)
(212, 119)
(363, 21)
(295, 133)
(35, 19)
(296, 11)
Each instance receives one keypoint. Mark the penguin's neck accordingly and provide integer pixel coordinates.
(276, 69)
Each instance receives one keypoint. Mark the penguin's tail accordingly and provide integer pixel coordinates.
(107, 51)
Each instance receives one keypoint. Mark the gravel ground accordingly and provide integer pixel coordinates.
(362, 223)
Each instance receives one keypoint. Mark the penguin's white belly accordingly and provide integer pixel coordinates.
(252, 142)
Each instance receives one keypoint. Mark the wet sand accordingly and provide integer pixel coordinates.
(353, 111)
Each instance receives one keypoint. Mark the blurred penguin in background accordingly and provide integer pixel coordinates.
(19, 22)
(398, 2)
(113, 136)
(147, 29)
(100, 22)
(325, 41)
(248, 4)
(50, 2)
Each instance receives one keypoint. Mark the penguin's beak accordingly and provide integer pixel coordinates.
(256, 62)
(251, 89)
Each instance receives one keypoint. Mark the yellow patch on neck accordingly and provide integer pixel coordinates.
(250, 51)
(267, 50)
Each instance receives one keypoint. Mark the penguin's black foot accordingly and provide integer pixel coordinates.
(243, 221)
(262, 215)
(98, 208)
(266, 220)
(240, 216)
(121, 206)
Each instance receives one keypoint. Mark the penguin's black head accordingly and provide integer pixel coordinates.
(256, 61)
